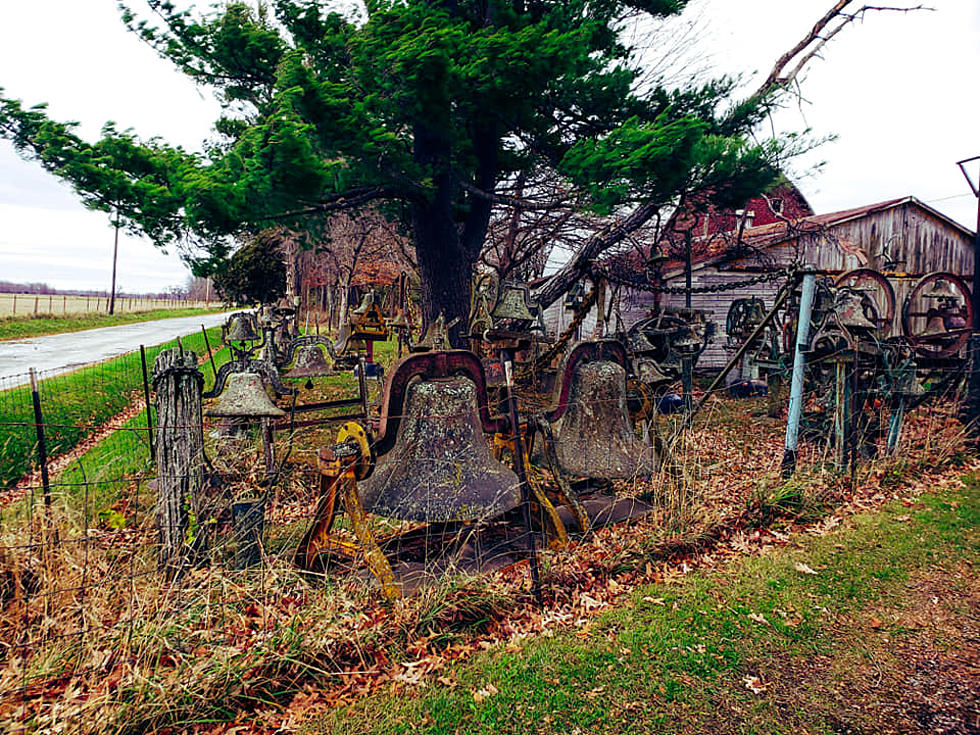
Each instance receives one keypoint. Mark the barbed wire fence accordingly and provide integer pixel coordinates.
(85, 598)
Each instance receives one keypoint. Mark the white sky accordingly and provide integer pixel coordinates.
(896, 90)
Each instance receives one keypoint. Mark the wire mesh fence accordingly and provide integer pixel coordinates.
(27, 304)
(94, 632)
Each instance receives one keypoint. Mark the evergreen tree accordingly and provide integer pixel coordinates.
(420, 107)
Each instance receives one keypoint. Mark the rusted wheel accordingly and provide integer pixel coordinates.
(878, 290)
(937, 315)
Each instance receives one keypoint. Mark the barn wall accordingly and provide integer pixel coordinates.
(925, 242)
(910, 234)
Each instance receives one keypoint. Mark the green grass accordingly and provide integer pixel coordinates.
(74, 404)
(22, 327)
(674, 657)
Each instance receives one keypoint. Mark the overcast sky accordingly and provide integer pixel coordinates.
(898, 91)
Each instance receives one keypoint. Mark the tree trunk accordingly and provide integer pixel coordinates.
(343, 302)
(445, 272)
(579, 266)
(445, 255)
(179, 453)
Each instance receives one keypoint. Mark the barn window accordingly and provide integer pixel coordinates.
(776, 205)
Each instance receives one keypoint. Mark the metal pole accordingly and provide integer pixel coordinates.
(796, 387)
(973, 391)
(210, 356)
(507, 363)
(42, 447)
(687, 365)
(855, 407)
(780, 300)
(115, 253)
(146, 398)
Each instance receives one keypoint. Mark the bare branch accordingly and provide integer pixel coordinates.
(811, 44)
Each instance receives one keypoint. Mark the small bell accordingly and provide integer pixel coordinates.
(366, 302)
(398, 321)
(240, 329)
(935, 328)
(639, 343)
(942, 290)
(512, 302)
(435, 337)
(656, 257)
(649, 373)
(310, 363)
(245, 396)
(575, 296)
(687, 343)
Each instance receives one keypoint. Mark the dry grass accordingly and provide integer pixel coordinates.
(93, 636)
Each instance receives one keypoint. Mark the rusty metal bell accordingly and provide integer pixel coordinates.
(366, 302)
(440, 468)
(244, 396)
(512, 303)
(241, 329)
(851, 313)
(648, 372)
(942, 290)
(398, 321)
(310, 363)
(595, 435)
(687, 343)
(935, 328)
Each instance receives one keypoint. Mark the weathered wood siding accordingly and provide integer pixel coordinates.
(908, 233)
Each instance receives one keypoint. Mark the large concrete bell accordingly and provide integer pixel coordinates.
(595, 435)
(440, 468)
(310, 363)
(245, 397)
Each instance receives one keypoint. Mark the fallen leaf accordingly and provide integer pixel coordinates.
(757, 617)
(754, 684)
(801, 567)
(654, 600)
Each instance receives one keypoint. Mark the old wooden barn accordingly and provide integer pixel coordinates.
(903, 238)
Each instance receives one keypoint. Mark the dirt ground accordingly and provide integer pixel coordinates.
(909, 665)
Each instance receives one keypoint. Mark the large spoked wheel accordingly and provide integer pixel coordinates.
(937, 315)
(875, 287)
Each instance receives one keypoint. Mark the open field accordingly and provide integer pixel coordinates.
(37, 304)
(24, 327)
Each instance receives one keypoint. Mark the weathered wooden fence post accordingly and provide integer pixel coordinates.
(179, 452)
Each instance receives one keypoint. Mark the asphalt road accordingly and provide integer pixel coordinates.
(62, 352)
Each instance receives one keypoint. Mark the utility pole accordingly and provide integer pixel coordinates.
(115, 253)
(687, 363)
(973, 392)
